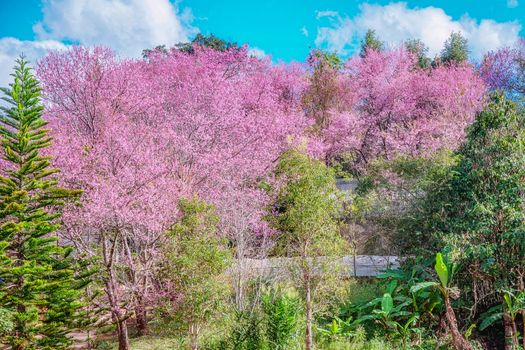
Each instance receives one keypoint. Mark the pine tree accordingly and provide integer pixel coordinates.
(455, 49)
(420, 51)
(40, 282)
(370, 42)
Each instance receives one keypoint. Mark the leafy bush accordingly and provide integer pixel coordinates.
(393, 308)
(247, 332)
(281, 310)
(274, 324)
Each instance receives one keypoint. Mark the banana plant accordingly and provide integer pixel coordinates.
(387, 313)
(513, 304)
(339, 328)
(445, 270)
(406, 329)
(424, 302)
(395, 319)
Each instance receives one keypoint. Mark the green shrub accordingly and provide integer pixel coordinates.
(6, 321)
(247, 332)
(281, 310)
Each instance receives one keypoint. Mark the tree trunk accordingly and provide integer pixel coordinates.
(521, 285)
(118, 318)
(307, 287)
(460, 343)
(141, 317)
(122, 334)
(511, 338)
(523, 332)
(194, 337)
(239, 284)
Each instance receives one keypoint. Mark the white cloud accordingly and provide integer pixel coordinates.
(321, 14)
(512, 3)
(304, 30)
(255, 51)
(12, 48)
(128, 26)
(395, 23)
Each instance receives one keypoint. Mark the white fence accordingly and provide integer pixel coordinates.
(349, 266)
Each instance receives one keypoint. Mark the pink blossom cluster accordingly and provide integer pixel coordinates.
(136, 135)
(504, 69)
(389, 106)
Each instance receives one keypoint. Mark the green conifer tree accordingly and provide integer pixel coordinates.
(455, 49)
(40, 281)
(370, 42)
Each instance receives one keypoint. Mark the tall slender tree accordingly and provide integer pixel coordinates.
(40, 282)
(322, 93)
(195, 261)
(307, 214)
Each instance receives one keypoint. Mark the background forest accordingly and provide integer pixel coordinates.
(135, 193)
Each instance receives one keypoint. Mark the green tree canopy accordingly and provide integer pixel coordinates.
(210, 41)
(420, 50)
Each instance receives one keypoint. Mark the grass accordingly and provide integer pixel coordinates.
(169, 343)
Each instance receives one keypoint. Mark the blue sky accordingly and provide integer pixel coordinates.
(285, 29)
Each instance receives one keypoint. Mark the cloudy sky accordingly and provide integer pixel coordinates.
(283, 28)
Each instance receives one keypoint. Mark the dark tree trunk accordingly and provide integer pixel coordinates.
(122, 333)
(141, 317)
(460, 343)
(118, 318)
(523, 332)
(511, 336)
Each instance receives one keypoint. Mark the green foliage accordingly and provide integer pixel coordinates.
(392, 199)
(196, 259)
(6, 321)
(323, 91)
(370, 42)
(210, 41)
(318, 59)
(272, 324)
(248, 332)
(445, 272)
(308, 213)
(455, 49)
(513, 304)
(420, 50)
(472, 208)
(491, 316)
(340, 330)
(41, 282)
(308, 208)
(480, 207)
(282, 311)
(405, 310)
(442, 270)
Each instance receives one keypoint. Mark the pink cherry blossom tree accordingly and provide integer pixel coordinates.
(137, 135)
(391, 107)
(504, 69)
